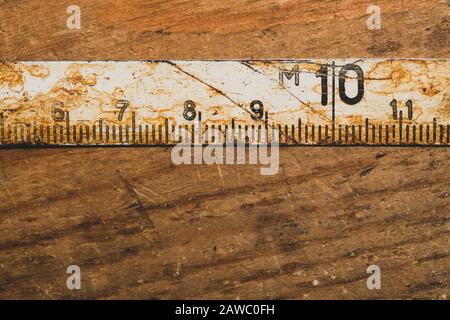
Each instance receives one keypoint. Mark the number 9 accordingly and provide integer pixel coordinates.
(257, 107)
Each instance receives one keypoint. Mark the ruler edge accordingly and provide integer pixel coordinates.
(283, 60)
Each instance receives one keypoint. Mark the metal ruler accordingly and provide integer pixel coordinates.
(308, 102)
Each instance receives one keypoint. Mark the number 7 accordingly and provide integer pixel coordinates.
(123, 105)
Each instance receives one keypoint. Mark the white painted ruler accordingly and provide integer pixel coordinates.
(319, 102)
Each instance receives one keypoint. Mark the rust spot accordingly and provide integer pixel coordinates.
(430, 90)
(399, 75)
(11, 75)
(76, 78)
(261, 63)
(445, 110)
(118, 93)
(358, 119)
(151, 66)
(38, 71)
(309, 67)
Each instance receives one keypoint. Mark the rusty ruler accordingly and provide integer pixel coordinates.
(309, 102)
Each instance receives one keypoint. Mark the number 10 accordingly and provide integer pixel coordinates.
(323, 73)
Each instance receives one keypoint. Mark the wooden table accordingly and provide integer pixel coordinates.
(140, 227)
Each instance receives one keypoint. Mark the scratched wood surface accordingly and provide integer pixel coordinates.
(140, 227)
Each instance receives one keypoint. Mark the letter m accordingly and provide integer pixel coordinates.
(289, 74)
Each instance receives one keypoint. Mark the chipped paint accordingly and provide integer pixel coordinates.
(350, 101)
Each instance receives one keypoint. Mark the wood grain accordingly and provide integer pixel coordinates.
(140, 227)
(180, 29)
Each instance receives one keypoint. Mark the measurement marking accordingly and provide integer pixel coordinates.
(448, 133)
(67, 127)
(133, 127)
(420, 133)
(373, 134)
(74, 134)
(166, 131)
(333, 92)
(41, 132)
(154, 135)
(359, 133)
(367, 130)
(107, 133)
(88, 134)
(306, 133)
(353, 133)
(2, 128)
(387, 134)
(48, 134)
(400, 128)
(407, 133)
(346, 134)
(434, 130)
(81, 135)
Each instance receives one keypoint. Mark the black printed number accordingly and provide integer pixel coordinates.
(189, 110)
(122, 105)
(323, 74)
(257, 108)
(342, 78)
(57, 112)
